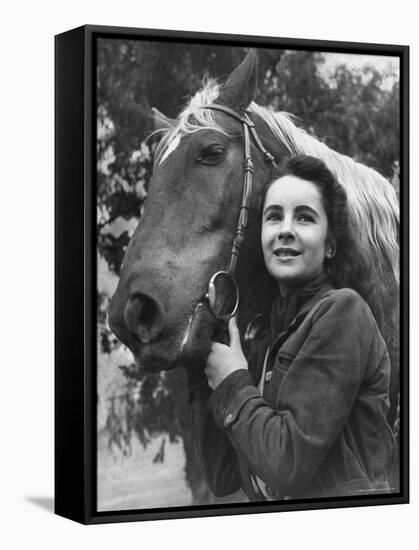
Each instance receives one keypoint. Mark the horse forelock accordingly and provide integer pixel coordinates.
(193, 118)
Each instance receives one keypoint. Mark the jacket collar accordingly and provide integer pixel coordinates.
(289, 311)
(324, 286)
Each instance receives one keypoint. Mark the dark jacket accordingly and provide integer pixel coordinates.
(320, 429)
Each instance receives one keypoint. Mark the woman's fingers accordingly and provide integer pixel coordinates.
(233, 330)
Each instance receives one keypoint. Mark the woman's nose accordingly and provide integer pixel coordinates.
(286, 236)
(286, 230)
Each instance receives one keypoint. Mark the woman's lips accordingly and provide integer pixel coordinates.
(286, 252)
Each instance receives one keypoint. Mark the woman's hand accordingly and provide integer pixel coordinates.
(223, 360)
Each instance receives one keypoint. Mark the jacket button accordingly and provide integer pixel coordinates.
(228, 420)
(268, 376)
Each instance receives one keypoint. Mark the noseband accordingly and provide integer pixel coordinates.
(227, 277)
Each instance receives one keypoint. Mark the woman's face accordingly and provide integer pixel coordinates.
(294, 232)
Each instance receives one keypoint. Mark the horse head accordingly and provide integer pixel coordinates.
(187, 230)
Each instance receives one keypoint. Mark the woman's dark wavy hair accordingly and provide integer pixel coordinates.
(348, 267)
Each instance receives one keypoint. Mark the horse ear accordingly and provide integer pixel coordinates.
(240, 87)
(161, 121)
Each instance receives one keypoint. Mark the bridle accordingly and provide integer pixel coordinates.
(248, 177)
(223, 293)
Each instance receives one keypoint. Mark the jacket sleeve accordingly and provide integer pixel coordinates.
(285, 446)
(213, 449)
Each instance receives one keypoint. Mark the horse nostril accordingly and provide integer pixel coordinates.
(144, 317)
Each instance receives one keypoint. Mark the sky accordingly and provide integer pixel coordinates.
(357, 61)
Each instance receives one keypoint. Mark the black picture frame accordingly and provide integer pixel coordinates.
(75, 274)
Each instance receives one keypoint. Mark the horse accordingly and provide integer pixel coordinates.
(197, 221)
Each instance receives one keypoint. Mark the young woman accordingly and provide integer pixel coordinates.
(305, 415)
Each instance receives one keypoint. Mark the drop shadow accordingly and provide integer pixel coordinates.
(46, 503)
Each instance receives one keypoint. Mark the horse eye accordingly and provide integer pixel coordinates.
(212, 154)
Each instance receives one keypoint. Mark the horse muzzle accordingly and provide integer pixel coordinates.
(144, 317)
(140, 320)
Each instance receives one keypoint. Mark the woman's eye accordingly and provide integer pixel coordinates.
(212, 154)
(273, 216)
(305, 218)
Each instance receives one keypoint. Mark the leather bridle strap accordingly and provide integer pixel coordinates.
(248, 177)
(245, 120)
